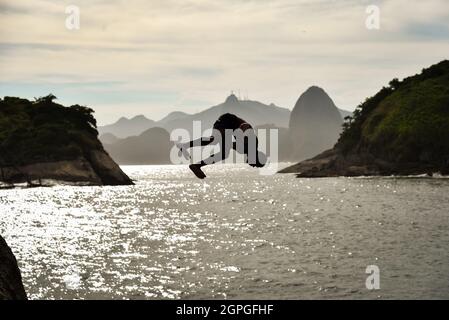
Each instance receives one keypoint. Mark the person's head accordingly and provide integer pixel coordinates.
(261, 160)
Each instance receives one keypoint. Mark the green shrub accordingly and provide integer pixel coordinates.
(42, 130)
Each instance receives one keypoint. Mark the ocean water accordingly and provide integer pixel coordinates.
(235, 235)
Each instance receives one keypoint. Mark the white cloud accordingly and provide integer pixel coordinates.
(201, 49)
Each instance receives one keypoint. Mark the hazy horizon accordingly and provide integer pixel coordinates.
(154, 57)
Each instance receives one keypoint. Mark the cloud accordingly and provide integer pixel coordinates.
(428, 31)
(158, 54)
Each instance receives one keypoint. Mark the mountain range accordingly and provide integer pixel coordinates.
(125, 127)
(255, 112)
(150, 147)
(118, 137)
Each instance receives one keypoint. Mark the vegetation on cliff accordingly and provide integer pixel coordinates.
(42, 131)
(402, 130)
(408, 121)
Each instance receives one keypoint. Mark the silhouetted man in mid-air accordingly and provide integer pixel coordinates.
(227, 127)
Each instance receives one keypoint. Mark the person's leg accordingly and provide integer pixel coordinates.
(196, 167)
(225, 149)
(250, 149)
(201, 142)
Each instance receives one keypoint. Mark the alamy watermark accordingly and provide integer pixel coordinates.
(372, 21)
(73, 20)
(373, 280)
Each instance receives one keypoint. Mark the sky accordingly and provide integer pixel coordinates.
(152, 57)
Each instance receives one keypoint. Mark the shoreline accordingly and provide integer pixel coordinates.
(332, 163)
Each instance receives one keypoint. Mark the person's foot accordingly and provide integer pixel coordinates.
(260, 162)
(196, 169)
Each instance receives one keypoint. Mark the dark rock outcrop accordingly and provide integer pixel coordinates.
(106, 169)
(402, 130)
(332, 163)
(97, 168)
(11, 287)
(42, 140)
(315, 124)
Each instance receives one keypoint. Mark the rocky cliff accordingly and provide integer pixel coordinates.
(11, 287)
(42, 140)
(402, 130)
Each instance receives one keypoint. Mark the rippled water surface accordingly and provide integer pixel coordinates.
(235, 235)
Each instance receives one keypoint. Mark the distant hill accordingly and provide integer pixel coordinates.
(257, 113)
(254, 112)
(172, 117)
(108, 138)
(315, 124)
(151, 147)
(345, 113)
(45, 140)
(283, 147)
(402, 130)
(125, 127)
